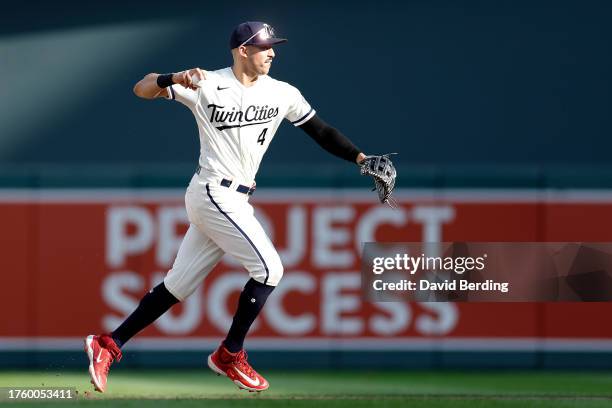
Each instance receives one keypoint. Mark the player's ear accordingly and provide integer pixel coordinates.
(242, 51)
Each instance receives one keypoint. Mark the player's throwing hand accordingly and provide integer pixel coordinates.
(189, 78)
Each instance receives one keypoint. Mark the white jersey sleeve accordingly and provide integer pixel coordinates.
(186, 96)
(299, 111)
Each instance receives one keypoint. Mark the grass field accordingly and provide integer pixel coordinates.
(200, 388)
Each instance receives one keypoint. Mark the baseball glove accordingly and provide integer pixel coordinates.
(383, 172)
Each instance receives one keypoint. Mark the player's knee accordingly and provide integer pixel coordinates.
(269, 272)
(275, 272)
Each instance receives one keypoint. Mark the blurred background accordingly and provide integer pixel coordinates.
(499, 112)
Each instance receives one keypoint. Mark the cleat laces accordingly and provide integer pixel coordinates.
(115, 355)
(245, 367)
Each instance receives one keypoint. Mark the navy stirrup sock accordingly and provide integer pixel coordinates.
(154, 304)
(252, 299)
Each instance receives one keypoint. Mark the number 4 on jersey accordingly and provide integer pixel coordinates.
(262, 137)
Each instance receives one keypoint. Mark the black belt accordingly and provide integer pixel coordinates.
(228, 183)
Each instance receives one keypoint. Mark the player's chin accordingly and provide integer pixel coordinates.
(265, 68)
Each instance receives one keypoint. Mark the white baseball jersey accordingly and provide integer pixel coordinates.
(236, 124)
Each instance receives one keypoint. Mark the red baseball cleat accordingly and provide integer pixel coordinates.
(101, 351)
(236, 368)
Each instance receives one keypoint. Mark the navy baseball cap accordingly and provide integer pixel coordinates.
(254, 33)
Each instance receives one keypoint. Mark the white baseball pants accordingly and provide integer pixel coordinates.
(221, 221)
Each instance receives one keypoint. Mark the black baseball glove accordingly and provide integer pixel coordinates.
(383, 172)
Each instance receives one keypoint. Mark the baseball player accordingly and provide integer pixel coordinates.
(238, 110)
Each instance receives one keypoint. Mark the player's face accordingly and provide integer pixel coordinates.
(260, 58)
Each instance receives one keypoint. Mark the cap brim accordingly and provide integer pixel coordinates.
(269, 41)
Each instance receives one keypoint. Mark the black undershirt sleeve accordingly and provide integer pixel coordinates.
(330, 139)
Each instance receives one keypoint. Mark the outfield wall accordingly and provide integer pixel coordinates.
(77, 261)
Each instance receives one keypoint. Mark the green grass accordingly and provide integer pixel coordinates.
(200, 388)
